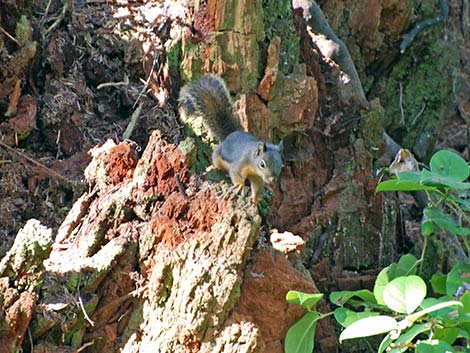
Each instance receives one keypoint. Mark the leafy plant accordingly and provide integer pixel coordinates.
(447, 192)
(398, 306)
(299, 338)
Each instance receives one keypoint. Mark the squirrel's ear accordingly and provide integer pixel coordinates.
(261, 148)
(280, 146)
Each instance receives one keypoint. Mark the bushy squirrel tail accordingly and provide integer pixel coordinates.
(210, 98)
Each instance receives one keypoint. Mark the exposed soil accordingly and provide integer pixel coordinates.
(71, 77)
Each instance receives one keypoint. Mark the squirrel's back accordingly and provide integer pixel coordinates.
(210, 98)
(239, 153)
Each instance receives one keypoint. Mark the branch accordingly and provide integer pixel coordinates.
(426, 23)
(341, 56)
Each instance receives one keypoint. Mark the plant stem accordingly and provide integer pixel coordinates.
(421, 260)
(465, 241)
(322, 316)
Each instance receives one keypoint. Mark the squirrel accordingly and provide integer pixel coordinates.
(239, 153)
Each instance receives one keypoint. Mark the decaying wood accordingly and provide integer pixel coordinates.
(138, 265)
(21, 274)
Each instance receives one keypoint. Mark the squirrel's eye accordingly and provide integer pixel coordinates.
(262, 164)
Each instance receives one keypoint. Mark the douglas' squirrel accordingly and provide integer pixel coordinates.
(240, 154)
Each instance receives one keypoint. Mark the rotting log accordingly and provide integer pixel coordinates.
(21, 274)
(152, 259)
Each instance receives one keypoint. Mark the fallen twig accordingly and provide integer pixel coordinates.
(29, 159)
(400, 100)
(415, 119)
(146, 83)
(85, 345)
(85, 314)
(115, 84)
(342, 57)
(9, 36)
(59, 19)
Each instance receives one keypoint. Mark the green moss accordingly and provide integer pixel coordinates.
(217, 175)
(372, 122)
(136, 318)
(164, 291)
(75, 338)
(415, 111)
(73, 280)
(188, 149)
(173, 57)
(25, 258)
(278, 22)
(192, 62)
(203, 156)
(426, 86)
(245, 56)
(24, 32)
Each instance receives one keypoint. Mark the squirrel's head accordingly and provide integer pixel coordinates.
(269, 161)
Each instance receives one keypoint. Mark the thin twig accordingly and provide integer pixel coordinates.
(148, 79)
(465, 18)
(82, 306)
(59, 19)
(402, 119)
(418, 115)
(31, 340)
(29, 159)
(46, 11)
(10, 36)
(115, 84)
(180, 185)
(85, 345)
(118, 301)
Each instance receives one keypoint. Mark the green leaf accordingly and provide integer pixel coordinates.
(445, 221)
(396, 185)
(464, 203)
(368, 326)
(342, 297)
(432, 179)
(300, 336)
(415, 316)
(307, 300)
(447, 334)
(459, 274)
(405, 266)
(438, 283)
(434, 346)
(409, 177)
(404, 294)
(385, 343)
(465, 300)
(346, 317)
(379, 286)
(409, 336)
(449, 164)
(427, 227)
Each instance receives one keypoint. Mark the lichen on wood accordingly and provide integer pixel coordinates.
(21, 275)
